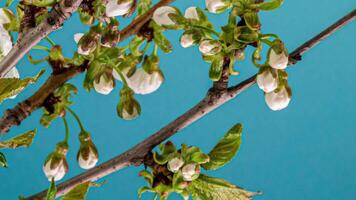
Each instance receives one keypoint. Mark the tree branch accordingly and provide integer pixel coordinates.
(56, 17)
(135, 155)
(15, 115)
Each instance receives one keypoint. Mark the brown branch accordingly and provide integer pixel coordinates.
(135, 155)
(56, 17)
(15, 115)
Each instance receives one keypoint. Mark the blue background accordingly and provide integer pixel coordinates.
(306, 151)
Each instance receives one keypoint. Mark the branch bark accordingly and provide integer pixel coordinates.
(56, 17)
(211, 101)
(24, 109)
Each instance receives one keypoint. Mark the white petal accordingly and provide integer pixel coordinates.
(186, 40)
(114, 9)
(266, 81)
(104, 87)
(191, 13)
(89, 163)
(278, 61)
(127, 116)
(207, 47)
(57, 173)
(13, 73)
(215, 5)
(78, 36)
(160, 16)
(175, 164)
(143, 83)
(277, 100)
(5, 41)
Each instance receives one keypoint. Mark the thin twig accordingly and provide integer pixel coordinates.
(135, 155)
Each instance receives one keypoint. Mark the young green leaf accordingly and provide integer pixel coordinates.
(216, 68)
(160, 40)
(206, 187)
(3, 162)
(270, 5)
(12, 86)
(252, 20)
(225, 150)
(79, 192)
(23, 140)
(52, 191)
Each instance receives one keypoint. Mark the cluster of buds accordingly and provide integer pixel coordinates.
(56, 166)
(87, 156)
(173, 169)
(128, 107)
(272, 79)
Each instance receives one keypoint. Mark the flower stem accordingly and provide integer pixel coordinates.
(66, 129)
(116, 68)
(50, 41)
(207, 29)
(76, 118)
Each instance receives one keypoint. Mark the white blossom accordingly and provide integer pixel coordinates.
(190, 172)
(277, 61)
(209, 47)
(214, 6)
(104, 86)
(175, 164)
(191, 13)
(118, 7)
(278, 100)
(90, 162)
(142, 82)
(266, 81)
(160, 16)
(55, 170)
(186, 40)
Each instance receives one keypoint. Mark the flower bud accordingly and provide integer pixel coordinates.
(175, 164)
(190, 172)
(128, 108)
(278, 56)
(87, 156)
(186, 40)
(216, 6)
(267, 81)
(104, 84)
(191, 13)
(6, 42)
(209, 47)
(160, 16)
(56, 166)
(278, 99)
(141, 82)
(86, 43)
(118, 7)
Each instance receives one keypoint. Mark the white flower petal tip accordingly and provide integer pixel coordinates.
(160, 16)
(143, 83)
(215, 6)
(186, 40)
(278, 61)
(278, 100)
(191, 13)
(113, 8)
(266, 81)
(103, 86)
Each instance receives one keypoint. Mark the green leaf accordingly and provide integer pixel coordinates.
(270, 5)
(216, 68)
(8, 3)
(79, 192)
(51, 192)
(206, 187)
(246, 35)
(143, 6)
(160, 40)
(40, 3)
(199, 157)
(147, 175)
(3, 162)
(226, 149)
(252, 20)
(62, 95)
(23, 140)
(12, 86)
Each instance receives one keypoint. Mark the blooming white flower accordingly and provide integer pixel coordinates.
(209, 47)
(278, 61)
(278, 100)
(175, 164)
(4, 19)
(190, 172)
(87, 157)
(191, 13)
(214, 6)
(142, 82)
(160, 16)
(266, 81)
(186, 40)
(104, 86)
(118, 7)
(55, 168)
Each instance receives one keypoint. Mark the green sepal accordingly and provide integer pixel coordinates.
(147, 175)
(252, 20)
(23, 140)
(216, 68)
(270, 5)
(225, 150)
(3, 162)
(80, 191)
(159, 39)
(246, 35)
